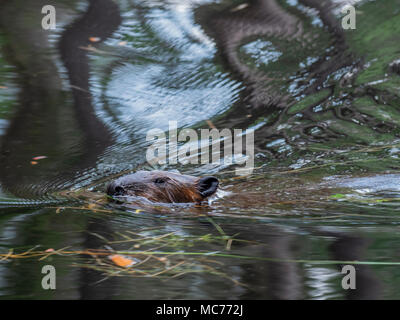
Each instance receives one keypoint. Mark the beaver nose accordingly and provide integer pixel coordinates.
(208, 186)
(114, 189)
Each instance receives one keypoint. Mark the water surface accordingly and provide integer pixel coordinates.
(324, 106)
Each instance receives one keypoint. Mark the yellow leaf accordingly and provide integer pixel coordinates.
(121, 261)
(92, 206)
(240, 7)
(94, 39)
(210, 124)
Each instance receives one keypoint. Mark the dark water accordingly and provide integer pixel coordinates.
(324, 104)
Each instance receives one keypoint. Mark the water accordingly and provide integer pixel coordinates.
(324, 106)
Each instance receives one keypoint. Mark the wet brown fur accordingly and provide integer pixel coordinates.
(159, 186)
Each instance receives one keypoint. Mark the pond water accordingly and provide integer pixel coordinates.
(77, 102)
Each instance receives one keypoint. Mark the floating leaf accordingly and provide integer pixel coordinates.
(94, 39)
(337, 196)
(240, 7)
(92, 205)
(39, 157)
(122, 261)
(210, 124)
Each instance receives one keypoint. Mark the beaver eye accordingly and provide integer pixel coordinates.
(160, 180)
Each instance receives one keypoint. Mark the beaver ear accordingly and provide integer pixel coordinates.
(207, 186)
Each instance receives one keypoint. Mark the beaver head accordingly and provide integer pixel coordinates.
(162, 186)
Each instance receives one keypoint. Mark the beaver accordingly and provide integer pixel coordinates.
(164, 186)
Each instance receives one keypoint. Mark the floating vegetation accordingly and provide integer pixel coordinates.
(162, 255)
(143, 257)
(354, 198)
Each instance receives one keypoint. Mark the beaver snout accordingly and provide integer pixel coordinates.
(208, 186)
(114, 189)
